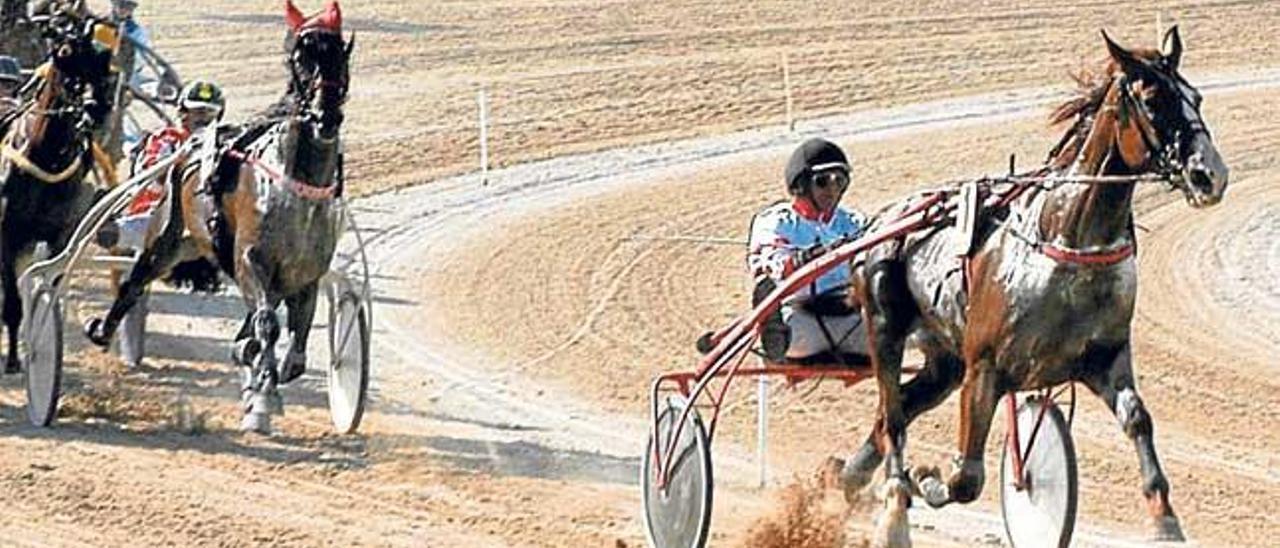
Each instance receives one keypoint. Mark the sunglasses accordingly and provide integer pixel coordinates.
(830, 178)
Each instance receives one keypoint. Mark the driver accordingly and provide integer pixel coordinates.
(122, 12)
(11, 81)
(200, 105)
(817, 321)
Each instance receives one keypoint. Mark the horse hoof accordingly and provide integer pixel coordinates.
(95, 331)
(855, 477)
(12, 367)
(245, 351)
(1167, 529)
(892, 525)
(293, 367)
(929, 485)
(705, 343)
(256, 422)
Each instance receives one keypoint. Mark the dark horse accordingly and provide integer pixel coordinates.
(1048, 296)
(47, 150)
(263, 211)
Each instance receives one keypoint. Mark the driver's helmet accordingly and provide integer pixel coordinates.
(812, 158)
(10, 70)
(202, 95)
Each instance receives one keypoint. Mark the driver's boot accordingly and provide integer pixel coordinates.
(775, 335)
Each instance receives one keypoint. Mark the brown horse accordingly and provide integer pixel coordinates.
(1047, 295)
(47, 149)
(262, 210)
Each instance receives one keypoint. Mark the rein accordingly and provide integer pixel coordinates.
(1022, 183)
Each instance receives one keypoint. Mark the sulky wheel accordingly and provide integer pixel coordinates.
(679, 514)
(43, 371)
(348, 362)
(1044, 512)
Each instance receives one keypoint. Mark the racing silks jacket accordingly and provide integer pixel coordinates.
(782, 230)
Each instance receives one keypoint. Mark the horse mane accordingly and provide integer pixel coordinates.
(1091, 87)
(1092, 83)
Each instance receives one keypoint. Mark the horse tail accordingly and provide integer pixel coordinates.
(198, 275)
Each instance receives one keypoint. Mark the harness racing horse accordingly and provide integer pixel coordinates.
(1047, 294)
(272, 222)
(48, 149)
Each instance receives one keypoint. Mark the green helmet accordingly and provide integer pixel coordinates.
(202, 94)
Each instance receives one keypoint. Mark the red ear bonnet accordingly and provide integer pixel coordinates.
(293, 17)
(328, 21)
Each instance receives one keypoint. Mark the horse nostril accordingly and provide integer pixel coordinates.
(1201, 181)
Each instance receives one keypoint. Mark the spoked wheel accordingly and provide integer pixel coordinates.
(679, 515)
(348, 362)
(43, 371)
(1043, 513)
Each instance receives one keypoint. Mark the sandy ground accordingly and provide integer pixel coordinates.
(512, 352)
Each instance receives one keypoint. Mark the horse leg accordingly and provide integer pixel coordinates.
(246, 347)
(159, 257)
(888, 319)
(259, 394)
(940, 375)
(12, 303)
(302, 311)
(978, 398)
(1115, 386)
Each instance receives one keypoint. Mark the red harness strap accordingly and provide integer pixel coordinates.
(301, 188)
(1091, 258)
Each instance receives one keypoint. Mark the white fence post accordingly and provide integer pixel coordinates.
(786, 87)
(483, 101)
(762, 428)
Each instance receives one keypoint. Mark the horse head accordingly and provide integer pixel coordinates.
(81, 48)
(319, 60)
(1159, 127)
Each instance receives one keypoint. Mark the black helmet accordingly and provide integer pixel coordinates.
(202, 94)
(813, 156)
(10, 70)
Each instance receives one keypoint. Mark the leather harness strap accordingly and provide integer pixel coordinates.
(1090, 258)
(301, 188)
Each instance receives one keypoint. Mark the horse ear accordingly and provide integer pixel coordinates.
(351, 44)
(334, 14)
(292, 16)
(1172, 48)
(1128, 62)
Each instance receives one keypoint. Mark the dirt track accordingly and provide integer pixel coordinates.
(511, 366)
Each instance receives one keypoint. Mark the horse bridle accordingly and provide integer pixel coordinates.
(306, 93)
(1163, 156)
